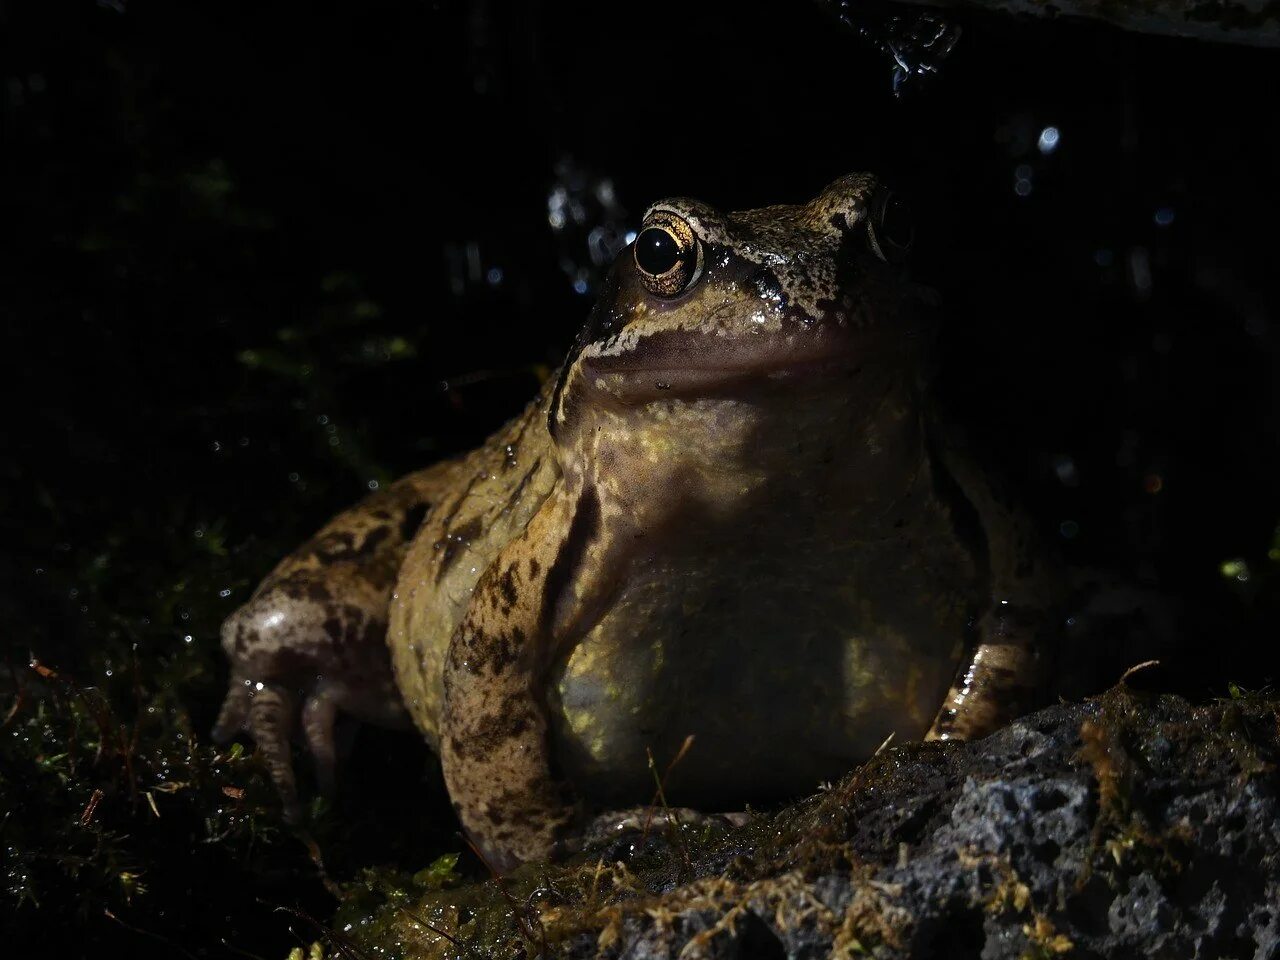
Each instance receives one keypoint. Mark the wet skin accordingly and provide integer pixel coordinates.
(733, 514)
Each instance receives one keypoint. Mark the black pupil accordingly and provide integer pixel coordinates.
(656, 251)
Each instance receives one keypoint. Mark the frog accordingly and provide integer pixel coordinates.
(732, 524)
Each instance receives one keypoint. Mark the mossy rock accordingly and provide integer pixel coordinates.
(1128, 825)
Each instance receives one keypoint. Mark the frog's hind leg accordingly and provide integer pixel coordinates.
(1003, 675)
(288, 642)
(312, 638)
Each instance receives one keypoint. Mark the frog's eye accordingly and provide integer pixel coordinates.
(890, 227)
(668, 254)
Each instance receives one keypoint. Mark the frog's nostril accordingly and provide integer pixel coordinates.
(768, 286)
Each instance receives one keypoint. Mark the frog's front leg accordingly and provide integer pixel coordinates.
(494, 745)
(1004, 672)
(999, 680)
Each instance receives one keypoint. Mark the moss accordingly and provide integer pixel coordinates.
(1043, 940)
(95, 801)
(1230, 742)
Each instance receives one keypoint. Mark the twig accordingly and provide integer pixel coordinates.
(1137, 667)
(137, 726)
(660, 795)
(436, 930)
(91, 807)
(20, 697)
(518, 911)
(345, 946)
(313, 851)
(148, 933)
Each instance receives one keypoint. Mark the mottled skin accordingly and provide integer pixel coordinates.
(732, 515)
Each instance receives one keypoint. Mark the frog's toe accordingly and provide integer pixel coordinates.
(234, 713)
(271, 718)
(319, 714)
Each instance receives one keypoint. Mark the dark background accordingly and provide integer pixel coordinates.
(259, 256)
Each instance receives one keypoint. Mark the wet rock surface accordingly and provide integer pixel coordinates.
(1129, 825)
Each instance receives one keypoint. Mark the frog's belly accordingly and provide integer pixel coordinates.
(781, 684)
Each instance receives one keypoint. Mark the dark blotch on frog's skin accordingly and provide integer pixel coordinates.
(583, 529)
(519, 488)
(507, 584)
(454, 543)
(412, 521)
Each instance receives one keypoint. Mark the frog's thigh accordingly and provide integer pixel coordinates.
(995, 685)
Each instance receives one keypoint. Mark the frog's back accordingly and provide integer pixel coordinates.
(498, 487)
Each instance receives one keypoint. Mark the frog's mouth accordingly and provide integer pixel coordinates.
(664, 365)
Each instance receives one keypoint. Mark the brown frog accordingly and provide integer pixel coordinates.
(731, 514)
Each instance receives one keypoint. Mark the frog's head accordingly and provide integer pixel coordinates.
(704, 303)
(772, 310)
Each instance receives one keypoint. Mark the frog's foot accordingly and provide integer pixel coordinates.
(298, 659)
(267, 712)
(319, 715)
(995, 685)
(636, 824)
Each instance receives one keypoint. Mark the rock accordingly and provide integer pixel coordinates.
(1127, 825)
